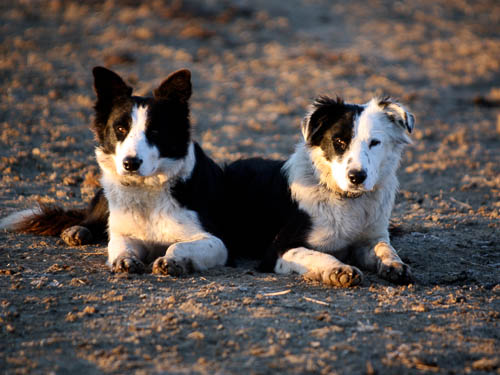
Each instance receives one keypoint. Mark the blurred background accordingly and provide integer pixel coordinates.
(256, 66)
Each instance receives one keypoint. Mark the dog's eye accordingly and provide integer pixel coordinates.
(374, 143)
(121, 130)
(339, 144)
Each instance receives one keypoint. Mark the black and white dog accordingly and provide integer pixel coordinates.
(161, 197)
(330, 202)
(164, 200)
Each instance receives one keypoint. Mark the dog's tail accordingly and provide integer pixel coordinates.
(75, 226)
(43, 220)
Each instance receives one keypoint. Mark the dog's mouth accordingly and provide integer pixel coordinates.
(355, 191)
(137, 173)
(131, 174)
(350, 194)
(344, 194)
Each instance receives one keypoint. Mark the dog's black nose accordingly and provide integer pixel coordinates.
(131, 163)
(356, 176)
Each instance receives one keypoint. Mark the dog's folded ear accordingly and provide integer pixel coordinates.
(177, 86)
(323, 113)
(109, 85)
(312, 126)
(397, 113)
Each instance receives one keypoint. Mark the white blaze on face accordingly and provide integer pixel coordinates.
(136, 145)
(362, 154)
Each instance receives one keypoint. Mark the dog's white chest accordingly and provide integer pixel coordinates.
(333, 228)
(151, 216)
(338, 226)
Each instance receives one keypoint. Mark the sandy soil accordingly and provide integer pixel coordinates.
(256, 66)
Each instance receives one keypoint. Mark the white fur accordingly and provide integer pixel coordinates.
(315, 265)
(301, 260)
(204, 251)
(371, 125)
(322, 190)
(136, 145)
(11, 221)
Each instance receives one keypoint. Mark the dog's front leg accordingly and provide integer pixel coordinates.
(196, 255)
(124, 255)
(315, 265)
(383, 259)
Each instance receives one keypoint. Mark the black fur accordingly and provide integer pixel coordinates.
(96, 217)
(168, 127)
(112, 92)
(331, 124)
(262, 220)
(203, 192)
(176, 86)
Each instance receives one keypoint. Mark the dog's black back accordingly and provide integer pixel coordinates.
(262, 218)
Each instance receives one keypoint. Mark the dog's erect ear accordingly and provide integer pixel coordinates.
(176, 86)
(109, 85)
(397, 114)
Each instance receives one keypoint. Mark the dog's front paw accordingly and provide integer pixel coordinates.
(172, 267)
(396, 272)
(127, 264)
(76, 236)
(342, 276)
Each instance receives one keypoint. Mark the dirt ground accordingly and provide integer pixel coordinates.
(256, 66)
